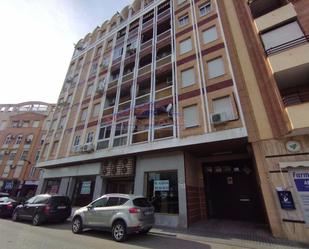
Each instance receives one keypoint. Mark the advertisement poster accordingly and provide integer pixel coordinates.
(86, 188)
(161, 185)
(301, 180)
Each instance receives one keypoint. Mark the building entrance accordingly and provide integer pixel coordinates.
(232, 191)
(120, 186)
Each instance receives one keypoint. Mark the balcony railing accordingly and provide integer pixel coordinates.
(296, 98)
(287, 45)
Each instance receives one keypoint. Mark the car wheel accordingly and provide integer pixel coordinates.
(77, 225)
(145, 231)
(37, 220)
(119, 231)
(15, 216)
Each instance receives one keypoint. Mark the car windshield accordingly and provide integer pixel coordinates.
(141, 202)
(6, 199)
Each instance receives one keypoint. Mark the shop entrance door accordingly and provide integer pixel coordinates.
(120, 186)
(232, 191)
(83, 191)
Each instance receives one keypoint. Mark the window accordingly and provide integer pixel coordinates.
(190, 116)
(8, 139)
(31, 200)
(205, 9)
(12, 155)
(36, 123)
(29, 139)
(121, 128)
(224, 105)
(89, 138)
(55, 147)
(83, 116)
(19, 138)
(89, 90)
(24, 155)
(99, 203)
(162, 191)
(61, 123)
(26, 123)
(184, 20)
(188, 77)
(283, 34)
(215, 68)
(180, 1)
(94, 69)
(37, 156)
(45, 150)
(112, 201)
(41, 199)
(105, 132)
(210, 35)
(117, 53)
(76, 140)
(96, 110)
(185, 46)
(105, 62)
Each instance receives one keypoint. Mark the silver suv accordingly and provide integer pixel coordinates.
(119, 213)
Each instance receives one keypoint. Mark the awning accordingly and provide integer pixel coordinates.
(293, 164)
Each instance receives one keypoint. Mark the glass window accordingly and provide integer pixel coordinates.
(141, 202)
(19, 139)
(190, 116)
(122, 200)
(96, 110)
(89, 137)
(210, 35)
(184, 20)
(52, 186)
(187, 77)
(99, 203)
(8, 139)
(112, 201)
(76, 140)
(83, 115)
(31, 200)
(224, 105)
(24, 155)
(162, 191)
(12, 155)
(205, 9)
(41, 199)
(215, 68)
(105, 132)
(185, 46)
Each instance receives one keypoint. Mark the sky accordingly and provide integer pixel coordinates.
(37, 42)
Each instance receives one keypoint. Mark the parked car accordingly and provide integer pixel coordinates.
(2, 194)
(119, 213)
(43, 208)
(7, 206)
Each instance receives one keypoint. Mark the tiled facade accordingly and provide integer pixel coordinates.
(179, 90)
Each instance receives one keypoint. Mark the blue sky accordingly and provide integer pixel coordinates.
(37, 38)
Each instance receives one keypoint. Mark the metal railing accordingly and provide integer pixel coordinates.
(287, 45)
(296, 98)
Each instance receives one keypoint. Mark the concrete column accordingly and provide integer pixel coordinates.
(98, 187)
(40, 186)
(64, 186)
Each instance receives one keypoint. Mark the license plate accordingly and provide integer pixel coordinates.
(148, 213)
(62, 207)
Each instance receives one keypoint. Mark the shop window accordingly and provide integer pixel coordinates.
(190, 116)
(162, 191)
(52, 186)
(187, 77)
(185, 46)
(215, 68)
(210, 35)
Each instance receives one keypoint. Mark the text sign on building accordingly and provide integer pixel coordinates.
(286, 200)
(301, 180)
(161, 185)
(86, 188)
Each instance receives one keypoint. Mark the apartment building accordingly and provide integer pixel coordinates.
(22, 130)
(177, 101)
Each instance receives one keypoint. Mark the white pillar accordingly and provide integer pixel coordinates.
(98, 187)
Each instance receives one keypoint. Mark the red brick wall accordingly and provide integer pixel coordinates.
(196, 204)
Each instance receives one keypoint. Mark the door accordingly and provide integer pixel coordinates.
(93, 215)
(120, 186)
(26, 210)
(232, 192)
(83, 191)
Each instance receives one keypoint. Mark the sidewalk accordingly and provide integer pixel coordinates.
(227, 234)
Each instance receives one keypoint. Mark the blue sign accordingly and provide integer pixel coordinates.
(8, 185)
(301, 180)
(286, 200)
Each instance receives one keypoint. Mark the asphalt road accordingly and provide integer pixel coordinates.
(22, 235)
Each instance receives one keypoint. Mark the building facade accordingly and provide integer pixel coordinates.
(177, 101)
(22, 130)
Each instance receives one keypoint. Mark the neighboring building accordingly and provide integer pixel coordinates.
(175, 100)
(22, 130)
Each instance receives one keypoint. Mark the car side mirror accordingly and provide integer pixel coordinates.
(89, 207)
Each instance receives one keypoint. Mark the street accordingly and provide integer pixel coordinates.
(22, 235)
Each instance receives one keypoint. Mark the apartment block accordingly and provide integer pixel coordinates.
(191, 104)
(23, 127)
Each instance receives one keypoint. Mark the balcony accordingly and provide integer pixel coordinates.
(299, 118)
(165, 60)
(275, 17)
(262, 7)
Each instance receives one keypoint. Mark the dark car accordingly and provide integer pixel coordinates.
(44, 208)
(4, 194)
(7, 206)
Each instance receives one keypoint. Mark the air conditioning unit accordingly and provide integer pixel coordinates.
(88, 148)
(218, 118)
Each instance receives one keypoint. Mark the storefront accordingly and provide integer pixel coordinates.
(161, 178)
